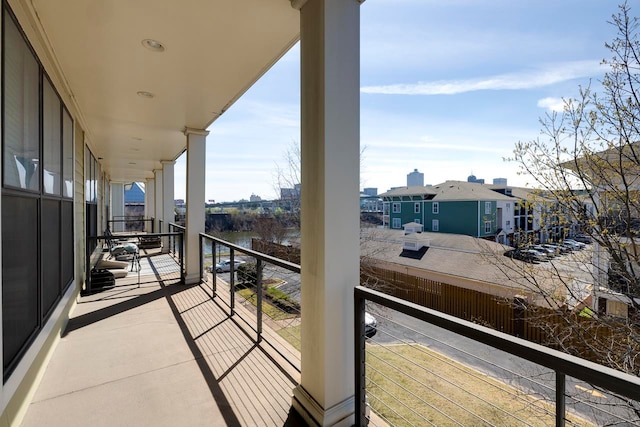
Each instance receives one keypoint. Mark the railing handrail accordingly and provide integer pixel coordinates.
(598, 375)
(258, 255)
(115, 236)
(179, 227)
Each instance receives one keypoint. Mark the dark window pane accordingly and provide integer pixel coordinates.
(50, 254)
(52, 143)
(19, 274)
(67, 244)
(21, 118)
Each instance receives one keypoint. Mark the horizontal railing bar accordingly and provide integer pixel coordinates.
(258, 255)
(128, 236)
(180, 227)
(598, 375)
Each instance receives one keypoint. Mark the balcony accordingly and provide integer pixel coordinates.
(153, 351)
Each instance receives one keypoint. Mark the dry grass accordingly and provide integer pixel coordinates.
(412, 385)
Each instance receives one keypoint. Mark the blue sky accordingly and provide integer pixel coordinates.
(447, 87)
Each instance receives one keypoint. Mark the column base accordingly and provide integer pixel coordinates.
(340, 415)
(191, 279)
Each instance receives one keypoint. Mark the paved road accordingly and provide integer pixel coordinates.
(533, 379)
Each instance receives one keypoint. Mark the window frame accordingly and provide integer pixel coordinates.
(397, 223)
(435, 208)
(487, 208)
(416, 207)
(435, 225)
(487, 227)
(397, 205)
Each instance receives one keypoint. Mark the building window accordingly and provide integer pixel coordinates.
(487, 208)
(435, 207)
(487, 227)
(508, 223)
(416, 208)
(396, 207)
(37, 208)
(396, 223)
(435, 225)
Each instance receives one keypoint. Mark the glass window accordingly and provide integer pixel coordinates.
(396, 208)
(21, 111)
(52, 144)
(487, 207)
(67, 154)
(396, 223)
(435, 225)
(416, 208)
(19, 275)
(487, 226)
(435, 208)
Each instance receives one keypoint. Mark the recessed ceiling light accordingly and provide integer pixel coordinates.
(153, 45)
(137, 138)
(132, 163)
(145, 94)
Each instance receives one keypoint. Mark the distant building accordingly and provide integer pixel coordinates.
(133, 194)
(472, 178)
(500, 181)
(415, 179)
(255, 198)
(370, 191)
(451, 207)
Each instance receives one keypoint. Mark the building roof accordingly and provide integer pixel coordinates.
(409, 191)
(462, 190)
(470, 259)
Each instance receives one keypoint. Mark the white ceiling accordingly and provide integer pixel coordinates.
(215, 50)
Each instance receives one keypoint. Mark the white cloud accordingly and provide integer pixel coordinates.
(552, 74)
(553, 104)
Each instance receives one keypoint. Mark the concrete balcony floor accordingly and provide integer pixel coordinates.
(160, 354)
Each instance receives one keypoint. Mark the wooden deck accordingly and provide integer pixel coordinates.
(151, 352)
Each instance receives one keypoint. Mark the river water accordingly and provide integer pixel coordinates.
(243, 238)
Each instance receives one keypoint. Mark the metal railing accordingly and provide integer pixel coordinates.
(249, 272)
(618, 392)
(130, 223)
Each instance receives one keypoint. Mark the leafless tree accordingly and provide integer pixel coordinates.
(586, 166)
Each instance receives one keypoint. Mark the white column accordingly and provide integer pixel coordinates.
(330, 62)
(195, 217)
(149, 202)
(159, 206)
(117, 206)
(168, 210)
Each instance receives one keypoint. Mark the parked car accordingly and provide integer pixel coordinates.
(548, 252)
(561, 248)
(557, 250)
(526, 256)
(370, 325)
(534, 254)
(582, 238)
(225, 266)
(574, 242)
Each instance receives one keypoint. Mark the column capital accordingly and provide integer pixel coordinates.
(297, 4)
(193, 131)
